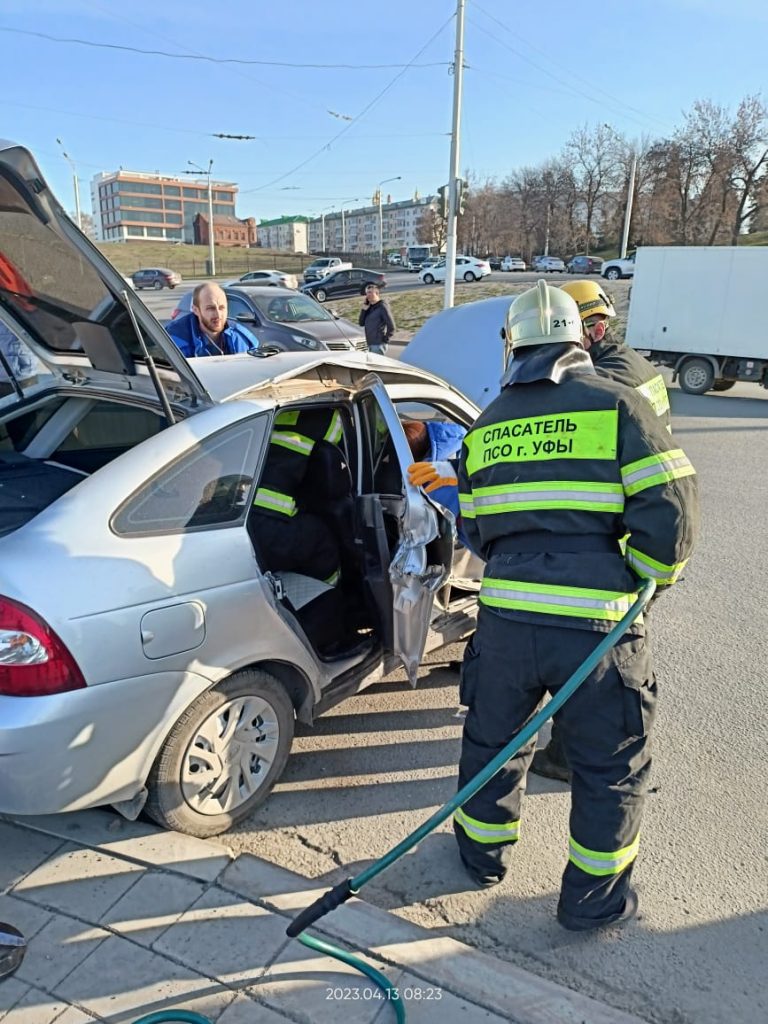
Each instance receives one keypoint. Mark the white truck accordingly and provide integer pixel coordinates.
(699, 310)
(323, 266)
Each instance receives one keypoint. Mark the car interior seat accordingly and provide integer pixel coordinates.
(327, 490)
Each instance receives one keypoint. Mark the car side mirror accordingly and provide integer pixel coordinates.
(246, 318)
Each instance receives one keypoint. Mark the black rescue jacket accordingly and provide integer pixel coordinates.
(622, 363)
(554, 473)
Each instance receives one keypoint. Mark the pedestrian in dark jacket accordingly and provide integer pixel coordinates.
(377, 320)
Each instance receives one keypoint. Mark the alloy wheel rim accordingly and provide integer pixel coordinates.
(230, 755)
(695, 377)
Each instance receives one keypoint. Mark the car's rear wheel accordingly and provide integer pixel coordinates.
(157, 285)
(321, 295)
(696, 376)
(223, 756)
(469, 276)
(428, 279)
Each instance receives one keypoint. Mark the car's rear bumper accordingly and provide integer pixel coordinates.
(87, 747)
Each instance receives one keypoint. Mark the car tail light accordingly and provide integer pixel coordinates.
(34, 662)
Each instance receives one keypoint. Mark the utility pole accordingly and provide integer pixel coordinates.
(546, 236)
(211, 233)
(458, 77)
(75, 182)
(628, 211)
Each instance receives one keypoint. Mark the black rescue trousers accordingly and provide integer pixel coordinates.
(605, 728)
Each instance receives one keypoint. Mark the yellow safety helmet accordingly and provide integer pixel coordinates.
(590, 298)
(543, 315)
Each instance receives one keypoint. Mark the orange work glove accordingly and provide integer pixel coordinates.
(431, 476)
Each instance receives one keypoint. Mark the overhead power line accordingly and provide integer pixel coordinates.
(74, 41)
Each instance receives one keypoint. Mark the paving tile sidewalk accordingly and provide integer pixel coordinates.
(123, 920)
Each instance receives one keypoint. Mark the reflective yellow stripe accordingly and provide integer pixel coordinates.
(293, 441)
(548, 494)
(568, 435)
(655, 393)
(334, 433)
(487, 832)
(275, 501)
(578, 602)
(466, 505)
(655, 469)
(649, 568)
(594, 862)
(333, 579)
(287, 418)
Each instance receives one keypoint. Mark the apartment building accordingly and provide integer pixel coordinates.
(288, 234)
(141, 205)
(357, 230)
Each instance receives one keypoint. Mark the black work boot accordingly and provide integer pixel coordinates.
(588, 924)
(550, 762)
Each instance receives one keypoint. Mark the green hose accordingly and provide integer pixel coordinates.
(351, 886)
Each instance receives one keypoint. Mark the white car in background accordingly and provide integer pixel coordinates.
(468, 268)
(513, 263)
(267, 278)
(548, 265)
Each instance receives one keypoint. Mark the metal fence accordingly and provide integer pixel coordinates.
(233, 262)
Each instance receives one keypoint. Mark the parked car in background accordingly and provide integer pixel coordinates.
(494, 262)
(323, 266)
(614, 270)
(468, 268)
(548, 265)
(267, 278)
(584, 265)
(155, 277)
(149, 660)
(512, 263)
(284, 318)
(394, 259)
(343, 282)
(128, 281)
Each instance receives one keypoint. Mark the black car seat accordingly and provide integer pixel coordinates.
(328, 492)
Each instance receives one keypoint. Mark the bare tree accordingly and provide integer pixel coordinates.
(593, 156)
(749, 141)
(432, 229)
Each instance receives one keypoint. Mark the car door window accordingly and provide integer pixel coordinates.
(356, 277)
(341, 279)
(207, 487)
(237, 306)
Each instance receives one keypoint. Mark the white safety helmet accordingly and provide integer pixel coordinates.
(543, 315)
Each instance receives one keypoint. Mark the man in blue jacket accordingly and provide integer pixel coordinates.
(206, 331)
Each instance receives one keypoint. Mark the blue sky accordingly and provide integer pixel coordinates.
(535, 72)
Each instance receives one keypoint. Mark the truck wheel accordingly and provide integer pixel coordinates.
(223, 756)
(696, 376)
(723, 385)
(613, 274)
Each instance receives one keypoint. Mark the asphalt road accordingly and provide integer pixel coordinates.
(163, 302)
(379, 764)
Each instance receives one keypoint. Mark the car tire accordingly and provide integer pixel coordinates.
(171, 286)
(696, 376)
(469, 276)
(158, 285)
(172, 797)
(613, 274)
(321, 295)
(428, 279)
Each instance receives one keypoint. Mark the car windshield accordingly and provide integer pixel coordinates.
(290, 309)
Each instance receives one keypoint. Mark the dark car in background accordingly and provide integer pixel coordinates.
(584, 265)
(155, 277)
(286, 319)
(343, 282)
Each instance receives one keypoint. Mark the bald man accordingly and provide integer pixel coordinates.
(206, 331)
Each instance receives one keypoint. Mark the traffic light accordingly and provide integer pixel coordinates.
(462, 190)
(442, 207)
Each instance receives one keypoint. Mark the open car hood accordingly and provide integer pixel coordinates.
(463, 344)
(62, 300)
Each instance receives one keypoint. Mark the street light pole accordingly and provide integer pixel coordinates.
(381, 217)
(75, 182)
(458, 79)
(211, 233)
